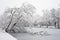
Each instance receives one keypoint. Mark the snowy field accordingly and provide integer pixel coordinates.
(6, 36)
(54, 34)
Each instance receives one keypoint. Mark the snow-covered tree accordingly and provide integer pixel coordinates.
(56, 15)
(12, 16)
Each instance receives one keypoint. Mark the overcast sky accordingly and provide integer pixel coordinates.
(39, 4)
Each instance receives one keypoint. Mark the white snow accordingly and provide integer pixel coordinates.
(6, 36)
(50, 31)
(54, 33)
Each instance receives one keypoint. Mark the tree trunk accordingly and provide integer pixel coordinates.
(13, 26)
(11, 29)
(58, 23)
(55, 24)
(8, 25)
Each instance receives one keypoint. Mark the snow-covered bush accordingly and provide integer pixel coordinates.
(36, 31)
(19, 29)
(52, 27)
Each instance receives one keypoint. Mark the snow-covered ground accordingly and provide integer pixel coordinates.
(54, 34)
(50, 31)
(6, 36)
